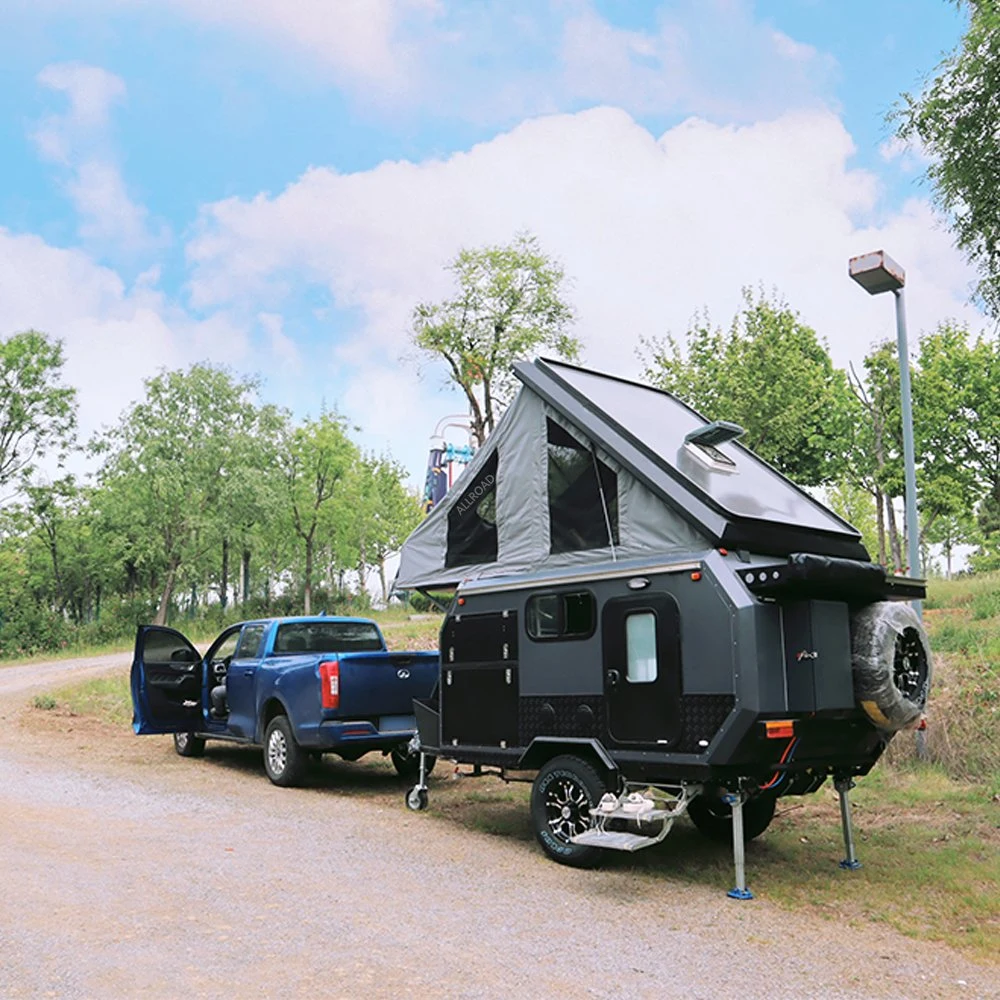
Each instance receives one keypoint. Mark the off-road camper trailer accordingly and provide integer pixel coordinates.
(655, 621)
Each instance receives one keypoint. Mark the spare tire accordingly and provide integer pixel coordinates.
(891, 662)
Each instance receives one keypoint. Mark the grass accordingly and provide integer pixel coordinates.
(963, 622)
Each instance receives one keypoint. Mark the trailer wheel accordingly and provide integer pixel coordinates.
(891, 661)
(563, 794)
(714, 818)
(416, 799)
(188, 745)
(407, 764)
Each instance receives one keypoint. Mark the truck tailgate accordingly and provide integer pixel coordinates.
(384, 683)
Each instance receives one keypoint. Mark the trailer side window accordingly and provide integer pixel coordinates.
(561, 616)
(583, 495)
(640, 647)
(472, 520)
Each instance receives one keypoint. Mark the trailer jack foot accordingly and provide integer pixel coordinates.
(416, 797)
(740, 891)
(843, 786)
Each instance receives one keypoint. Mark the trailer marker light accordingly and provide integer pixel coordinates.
(779, 729)
(723, 552)
(696, 577)
(461, 601)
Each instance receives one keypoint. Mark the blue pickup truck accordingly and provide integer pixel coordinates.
(298, 687)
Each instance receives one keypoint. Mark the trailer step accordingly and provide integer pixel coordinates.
(614, 840)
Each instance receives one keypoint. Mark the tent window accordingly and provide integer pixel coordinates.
(576, 513)
(472, 520)
(561, 616)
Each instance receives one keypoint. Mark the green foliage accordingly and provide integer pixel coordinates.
(508, 304)
(856, 506)
(37, 414)
(45, 702)
(956, 119)
(771, 374)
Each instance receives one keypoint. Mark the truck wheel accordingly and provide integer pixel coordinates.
(714, 818)
(891, 661)
(188, 745)
(407, 764)
(563, 794)
(284, 759)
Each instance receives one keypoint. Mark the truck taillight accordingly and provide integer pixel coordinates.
(329, 683)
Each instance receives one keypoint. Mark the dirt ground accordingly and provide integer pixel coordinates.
(131, 872)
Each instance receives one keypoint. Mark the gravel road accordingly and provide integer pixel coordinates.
(130, 872)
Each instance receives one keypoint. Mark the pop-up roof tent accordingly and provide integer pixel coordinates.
(589, 468)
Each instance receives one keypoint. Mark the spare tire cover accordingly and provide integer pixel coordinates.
(891, 662)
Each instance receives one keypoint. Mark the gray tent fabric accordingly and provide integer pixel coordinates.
(582, 434)
(645, 523)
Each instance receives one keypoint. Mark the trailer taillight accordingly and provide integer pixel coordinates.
(329, 683)
(779, 729)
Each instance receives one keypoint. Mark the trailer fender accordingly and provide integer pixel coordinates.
(542, 748)
(891, 662)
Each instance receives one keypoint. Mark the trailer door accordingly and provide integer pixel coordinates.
(642, 668)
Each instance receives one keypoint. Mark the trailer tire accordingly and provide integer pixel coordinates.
(565, 791)
(891, 663)
(714, 818)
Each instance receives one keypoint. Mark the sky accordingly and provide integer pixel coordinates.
(273, 185)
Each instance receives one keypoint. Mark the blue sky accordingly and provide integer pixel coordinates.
(274, 184)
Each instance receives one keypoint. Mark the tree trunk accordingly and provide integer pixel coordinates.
(168, 593)
(894, 541)
(246, 575)
(880, 508)
(381, 577)
(307, 598)
(224, 584)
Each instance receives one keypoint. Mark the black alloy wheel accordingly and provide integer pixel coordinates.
(563, 794)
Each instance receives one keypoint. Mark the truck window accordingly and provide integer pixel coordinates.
(250, 643)
(327, 637)
(561, 616)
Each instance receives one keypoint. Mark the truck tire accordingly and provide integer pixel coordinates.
(188, 745)
(407, 764)
(713, 818)
(284, 759)
(891, 662)
(563, 794)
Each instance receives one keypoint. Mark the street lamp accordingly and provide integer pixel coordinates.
(876, 273)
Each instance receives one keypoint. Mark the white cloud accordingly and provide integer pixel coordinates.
(282, 347)
(368, 44)
(78, 140)
(114, 335)
(649, 230)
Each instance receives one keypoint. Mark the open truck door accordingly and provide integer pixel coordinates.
(167, 683)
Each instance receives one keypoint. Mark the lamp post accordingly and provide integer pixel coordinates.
(877, 272)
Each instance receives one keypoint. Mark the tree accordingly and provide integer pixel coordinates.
(163, 481)
(315, 459)
(37, 413)
(509, 303)
(771, 374)
(956, 119)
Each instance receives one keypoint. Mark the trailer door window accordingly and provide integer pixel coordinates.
(640, 647)
(561, 616)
